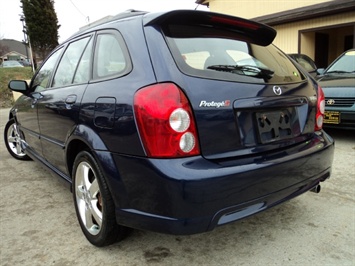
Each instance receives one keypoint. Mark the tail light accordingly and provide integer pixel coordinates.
(165, 122)
(320, 109)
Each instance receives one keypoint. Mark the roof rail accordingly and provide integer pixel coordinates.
(125, 14)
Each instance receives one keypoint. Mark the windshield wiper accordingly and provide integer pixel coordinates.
(246, 70)
(339, 72)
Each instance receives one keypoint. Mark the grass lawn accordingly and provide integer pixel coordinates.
(7, 74)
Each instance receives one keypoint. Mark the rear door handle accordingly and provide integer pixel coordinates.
(71, 99)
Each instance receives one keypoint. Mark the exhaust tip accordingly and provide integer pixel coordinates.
(316, 189)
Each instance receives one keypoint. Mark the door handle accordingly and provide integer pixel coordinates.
(35, 97)
(71, 99)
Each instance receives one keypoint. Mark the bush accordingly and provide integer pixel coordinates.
(7, 74)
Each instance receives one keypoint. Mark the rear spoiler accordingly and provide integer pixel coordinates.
(257, 33)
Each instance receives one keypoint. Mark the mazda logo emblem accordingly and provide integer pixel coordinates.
(277, 90)
(330, 102)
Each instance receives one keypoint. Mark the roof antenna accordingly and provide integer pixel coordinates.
(197, 6)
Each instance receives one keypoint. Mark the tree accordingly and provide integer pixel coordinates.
(3, 49)
(41, 25)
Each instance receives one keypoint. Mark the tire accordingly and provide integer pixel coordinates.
(94, 206)
(12, 139)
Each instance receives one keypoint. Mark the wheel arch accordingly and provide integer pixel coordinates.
(85, 138)
(74, 147)
(12, 114)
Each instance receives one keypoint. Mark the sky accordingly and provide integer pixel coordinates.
(73, 14)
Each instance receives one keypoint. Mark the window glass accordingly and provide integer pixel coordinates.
(196, 59)
(218, 54)
(82, 74)
(68, 63)
(304, 63)
(41, 81)
(110, 55)
(344, 64)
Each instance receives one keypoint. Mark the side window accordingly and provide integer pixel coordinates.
(111, 56)
(82, 74)
(43, 76)
(68, 63)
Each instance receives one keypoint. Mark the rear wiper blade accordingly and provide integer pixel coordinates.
(246, 70)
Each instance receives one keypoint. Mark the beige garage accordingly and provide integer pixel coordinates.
(320, 29)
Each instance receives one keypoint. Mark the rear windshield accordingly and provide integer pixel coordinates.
(205, 51)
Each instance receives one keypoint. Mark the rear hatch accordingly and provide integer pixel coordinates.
(247, 96)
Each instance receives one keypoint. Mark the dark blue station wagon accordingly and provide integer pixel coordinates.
(174, 122)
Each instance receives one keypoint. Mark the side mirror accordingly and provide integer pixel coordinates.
(320, 71)
(18, 85)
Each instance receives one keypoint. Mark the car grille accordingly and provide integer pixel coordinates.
(339, 102)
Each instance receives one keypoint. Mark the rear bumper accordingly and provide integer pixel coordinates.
(193, 225)
(194, 195)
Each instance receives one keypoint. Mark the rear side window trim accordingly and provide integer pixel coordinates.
(129, 66)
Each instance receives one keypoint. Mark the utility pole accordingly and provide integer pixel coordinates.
(26, 42)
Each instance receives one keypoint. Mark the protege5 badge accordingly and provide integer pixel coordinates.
(214, 104)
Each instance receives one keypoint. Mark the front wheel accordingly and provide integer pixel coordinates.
(93, 203)
(12, 139)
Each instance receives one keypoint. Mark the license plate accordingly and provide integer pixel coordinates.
(277, 125)
(331, 117)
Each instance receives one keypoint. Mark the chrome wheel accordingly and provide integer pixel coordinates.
(13, 141)
(93, 202)
(88, 198)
